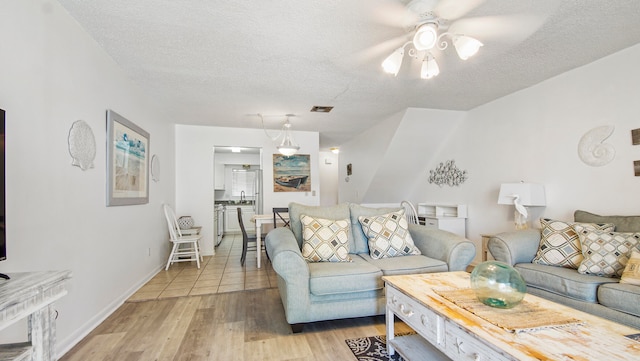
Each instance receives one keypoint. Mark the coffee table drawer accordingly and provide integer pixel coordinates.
(424, 321)
(461, 346)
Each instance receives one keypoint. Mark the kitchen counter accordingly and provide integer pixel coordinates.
(235, 203)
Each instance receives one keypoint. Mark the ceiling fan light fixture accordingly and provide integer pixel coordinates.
(466, 46)
(393, 62)
(425, 37)
(429, 67)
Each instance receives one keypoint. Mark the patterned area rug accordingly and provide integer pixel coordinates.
(371, 349)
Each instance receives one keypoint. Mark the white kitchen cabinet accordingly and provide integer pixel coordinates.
(232, 225)
(447, 217)
(219, 176)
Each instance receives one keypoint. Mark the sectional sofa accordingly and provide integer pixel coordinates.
(606, 297)
(322, 290)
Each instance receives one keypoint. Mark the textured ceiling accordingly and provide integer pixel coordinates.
(222, 62)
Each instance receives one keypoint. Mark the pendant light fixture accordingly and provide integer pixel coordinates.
(287, 146)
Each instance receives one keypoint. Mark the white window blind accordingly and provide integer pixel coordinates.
(242, 180)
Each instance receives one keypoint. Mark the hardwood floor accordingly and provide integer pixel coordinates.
(242, 325)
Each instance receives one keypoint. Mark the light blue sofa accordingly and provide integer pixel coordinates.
(325, 290)
(600, 296)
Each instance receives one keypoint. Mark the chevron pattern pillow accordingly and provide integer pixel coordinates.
(560, 244)
(606, 253)
(388, 235)
(325, 240)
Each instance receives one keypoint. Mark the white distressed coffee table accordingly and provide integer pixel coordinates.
(446, 331)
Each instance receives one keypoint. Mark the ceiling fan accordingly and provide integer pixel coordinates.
(432, 25)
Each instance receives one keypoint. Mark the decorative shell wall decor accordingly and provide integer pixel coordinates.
(82, 145)
(447, 173)
(155, 168)
(592, 149)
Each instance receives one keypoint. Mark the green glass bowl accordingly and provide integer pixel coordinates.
(497, 284)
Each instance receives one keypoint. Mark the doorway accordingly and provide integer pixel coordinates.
(238, 180)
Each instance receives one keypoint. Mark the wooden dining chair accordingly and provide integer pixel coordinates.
(246, 239)
(410, 212)
(185, 247)
(278, 217)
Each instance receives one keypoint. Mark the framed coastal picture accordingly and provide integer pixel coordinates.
(127, 162)
(291, 173)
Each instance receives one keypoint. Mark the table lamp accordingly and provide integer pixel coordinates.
(522, 195)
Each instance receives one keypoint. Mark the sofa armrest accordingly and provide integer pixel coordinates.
(515, 247)
(285, 255)
(293, 273)
(456, 251)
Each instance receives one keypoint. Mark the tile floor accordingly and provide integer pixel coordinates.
(217, 274)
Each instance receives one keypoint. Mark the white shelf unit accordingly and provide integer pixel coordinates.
(447, 217)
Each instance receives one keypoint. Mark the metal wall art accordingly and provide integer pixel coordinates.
(447, 173)
(82, 145)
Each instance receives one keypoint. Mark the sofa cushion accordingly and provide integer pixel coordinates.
(344, 277)
(606, 253)
(388, 235)
(560, 244)
(340, 211)
(623, 223)
(406, 264)
(621, 297)
(360, 240)
(631, 273)
(562, 281)
(325, 240)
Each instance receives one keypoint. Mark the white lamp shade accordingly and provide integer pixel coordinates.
(529, 194)
(466, 46)
(425, 37)
(429, 67)
(393, 62)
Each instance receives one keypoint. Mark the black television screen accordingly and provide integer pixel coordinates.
(3, 233)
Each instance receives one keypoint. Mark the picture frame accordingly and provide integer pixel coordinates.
(635, 136)
(127, 162)
(292, 173)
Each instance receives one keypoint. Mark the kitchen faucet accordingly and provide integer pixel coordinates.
(242, 196)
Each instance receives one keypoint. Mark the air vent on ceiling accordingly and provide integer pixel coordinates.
(321, 109)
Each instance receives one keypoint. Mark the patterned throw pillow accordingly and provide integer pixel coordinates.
(631, 273)
(606, 253)
(560, 244)
(388, 235)
(325, 240)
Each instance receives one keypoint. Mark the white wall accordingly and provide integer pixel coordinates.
(195, 170)
(328, 178)
(531, 135)
(52, 74)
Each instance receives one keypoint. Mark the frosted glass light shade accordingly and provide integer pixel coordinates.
(288, 146)
(425, 37)
(393, 62)
(466, 47)
(429, 67)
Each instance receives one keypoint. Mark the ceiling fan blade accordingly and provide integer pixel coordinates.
(509, 28)
(455, 9)
(379, 51)
(391, 13)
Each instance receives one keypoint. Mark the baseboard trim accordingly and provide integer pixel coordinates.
(64, 346)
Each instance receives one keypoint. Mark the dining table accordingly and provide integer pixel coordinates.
(259, 220)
